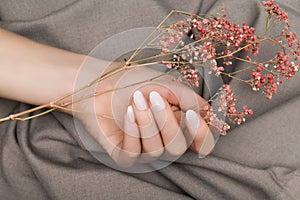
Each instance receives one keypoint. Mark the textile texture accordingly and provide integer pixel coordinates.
(43, 158)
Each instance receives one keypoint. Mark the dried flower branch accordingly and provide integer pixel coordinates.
(196, 42)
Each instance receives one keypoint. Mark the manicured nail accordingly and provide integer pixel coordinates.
(139, 100)
(157, 102)
(130, 114)
(192, 119)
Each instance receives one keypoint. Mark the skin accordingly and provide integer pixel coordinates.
(55, 70)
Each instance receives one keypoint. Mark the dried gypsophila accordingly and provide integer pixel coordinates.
(211, 32)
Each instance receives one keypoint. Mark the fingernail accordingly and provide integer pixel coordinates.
(139, 100)
(207, 145)
(192, 119)
(157, 102)
(130, 114)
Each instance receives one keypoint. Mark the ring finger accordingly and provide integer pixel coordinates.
(172, 135)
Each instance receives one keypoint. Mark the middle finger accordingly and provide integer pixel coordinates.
(151, 140)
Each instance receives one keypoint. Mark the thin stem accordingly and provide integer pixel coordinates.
(211, 99)
(284, 47)
(34, 116)
(66, 109)
(14, 116)
(141, 48)
(239, 71)
(54, 106)
(242, 48)
(244, 60)
(264, 68)
(234, 77)
(169, 52)
(197, 15)
(107, 117)
(116, 89)
(267, 24)
(152, 40)
(137, 51)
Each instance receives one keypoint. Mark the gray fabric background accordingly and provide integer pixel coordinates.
(43, 158)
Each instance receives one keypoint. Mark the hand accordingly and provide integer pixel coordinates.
(155, 121)
(146, 118)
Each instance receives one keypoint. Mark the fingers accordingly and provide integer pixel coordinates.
(172, 135)
(131, 146)
(203, 140)
(150, 130)
(152, 144)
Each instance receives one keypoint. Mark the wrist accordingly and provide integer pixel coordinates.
(90, 69)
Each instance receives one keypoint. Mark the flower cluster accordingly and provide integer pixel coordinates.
(268, 75)
(202, 55)
(188, 72)
(283, 67)
(212, 42)
(214, 121)
(209, 33)
(220, 30)
(225, 104)
(267, 82)
(226, 96)
(273, 9)
(291, 38)
(170, 37)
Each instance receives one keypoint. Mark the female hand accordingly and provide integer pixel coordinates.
(55, 70)
(149, 120)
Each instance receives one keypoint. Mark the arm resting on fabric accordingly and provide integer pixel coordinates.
(35, 73)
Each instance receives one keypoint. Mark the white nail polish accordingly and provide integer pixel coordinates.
(192, 119)
(157, 102)
(130, 114)
(139, 100)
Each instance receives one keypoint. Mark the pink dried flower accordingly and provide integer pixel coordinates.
(210, 32)
(267, 82)
(225, 103)
(274, 10)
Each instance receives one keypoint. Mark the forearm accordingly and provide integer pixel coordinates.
(35, 73)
